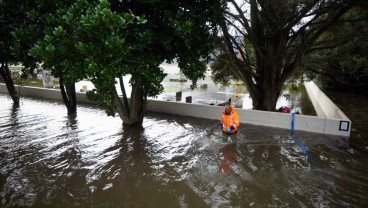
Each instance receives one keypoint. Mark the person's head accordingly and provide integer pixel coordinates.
(227, 109)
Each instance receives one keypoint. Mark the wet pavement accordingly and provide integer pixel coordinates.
(49, 159)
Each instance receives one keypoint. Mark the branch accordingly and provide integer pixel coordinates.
(246, 77)
(332, 76)
(327, 45)
(125, 98)
(331, 19)
(236, 28)
(244, 21)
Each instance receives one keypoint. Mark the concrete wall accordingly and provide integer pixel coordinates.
(323, 125)
(45, 93)
(323, 105)
(325, 108)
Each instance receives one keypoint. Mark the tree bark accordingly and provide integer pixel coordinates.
(69, 96)
(133, 114)
(6, 75)
(119, 107)
(137, 103)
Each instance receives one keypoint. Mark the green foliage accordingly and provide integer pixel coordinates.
(103, 99)
(89, 44)
(221, 70)
(14, 45)
(102, 41)
(345, 65)
(184, 30)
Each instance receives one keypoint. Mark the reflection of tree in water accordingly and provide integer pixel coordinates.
(123, 179)
(129, 179)
(60, 178)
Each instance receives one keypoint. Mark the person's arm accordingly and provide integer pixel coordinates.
(235, 122)
(222, 122)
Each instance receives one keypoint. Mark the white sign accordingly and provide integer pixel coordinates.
(344, 126)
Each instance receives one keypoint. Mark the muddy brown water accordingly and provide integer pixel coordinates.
(51, 160)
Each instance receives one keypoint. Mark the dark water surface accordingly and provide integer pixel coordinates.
(50, 159)
(355, 106)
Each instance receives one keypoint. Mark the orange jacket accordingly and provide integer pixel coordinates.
(230, 120)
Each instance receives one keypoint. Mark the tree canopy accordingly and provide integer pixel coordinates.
(103, 41)
(268, 40)
(13, 50)
(341, 63)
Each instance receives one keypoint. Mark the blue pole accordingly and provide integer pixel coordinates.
(302, 146)
(292, 124)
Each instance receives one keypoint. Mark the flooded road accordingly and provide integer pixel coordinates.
(91, 160)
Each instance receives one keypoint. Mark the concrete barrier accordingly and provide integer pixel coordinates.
(316, 124)
(322, 104)
(263, 118)
(326, 109)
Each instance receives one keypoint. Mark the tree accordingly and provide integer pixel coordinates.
(132, 38)
(174, 29)
(50, 16)
(342, 62)
(12, 16)
(24, 23)
(281, 33)
(46, 16)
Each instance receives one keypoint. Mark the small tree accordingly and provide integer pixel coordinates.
(23, 24)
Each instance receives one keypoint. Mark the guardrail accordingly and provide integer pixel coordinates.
(318, 124)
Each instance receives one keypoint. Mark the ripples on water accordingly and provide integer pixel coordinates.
(50, 159)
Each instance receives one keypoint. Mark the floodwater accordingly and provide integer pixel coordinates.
(51, 160)
(356, 109)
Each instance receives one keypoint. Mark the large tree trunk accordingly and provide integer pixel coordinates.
(133, 114)
(69, 96)
(6, 75)
(270, 65)
(266, 97)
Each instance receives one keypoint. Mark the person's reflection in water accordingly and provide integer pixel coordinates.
(228, 157)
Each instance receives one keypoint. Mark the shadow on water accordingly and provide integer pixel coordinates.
(91, 160)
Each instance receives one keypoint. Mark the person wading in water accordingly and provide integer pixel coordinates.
(229, 123)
